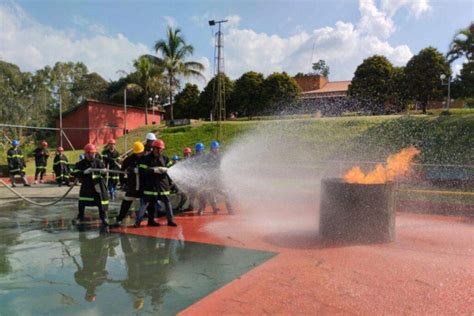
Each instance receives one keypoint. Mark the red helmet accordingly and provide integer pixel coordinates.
(44, 144)
(158, 144)
(187, 150)
(60, 149)
(111, 141)
(90, 148)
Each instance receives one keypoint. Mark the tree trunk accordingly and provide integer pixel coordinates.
(423, 107)
(171, 98)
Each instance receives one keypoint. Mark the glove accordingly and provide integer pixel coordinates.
(87, 171)
(160, 170)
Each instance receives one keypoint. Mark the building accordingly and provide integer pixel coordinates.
(96, 122)
(319, 94)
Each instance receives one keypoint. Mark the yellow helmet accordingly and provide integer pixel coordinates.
(138, 147)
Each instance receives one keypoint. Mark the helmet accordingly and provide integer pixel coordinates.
(158, 144)
(15, 142)
(138, 147)
(175, 158)
(215, 144)
(60, 149)
(199, 147)
(150, 136)
(44, 144)
(111, 141)
(187, 150)
(90, 148)
(82, 156)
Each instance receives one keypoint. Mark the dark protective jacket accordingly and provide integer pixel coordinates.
(155, 184)
(92, 183)
(60, 165)
(16, 162)
(41, 157)
(111, 160)
(128, 165)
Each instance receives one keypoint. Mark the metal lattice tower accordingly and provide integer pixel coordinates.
(219, 107)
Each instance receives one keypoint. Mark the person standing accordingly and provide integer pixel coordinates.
(93, 190)
(111, 158)
(41, 160)
(61, 167)
(215, 179)
(16, 163)
(132, 191)
(156, 183)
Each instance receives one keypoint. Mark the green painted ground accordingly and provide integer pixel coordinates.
(49, 267)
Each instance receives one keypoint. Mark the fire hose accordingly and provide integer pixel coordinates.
(36, 203)
(58, 200)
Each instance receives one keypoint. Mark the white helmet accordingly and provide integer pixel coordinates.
(150, 136)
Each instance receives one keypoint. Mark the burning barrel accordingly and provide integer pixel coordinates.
(354, 212)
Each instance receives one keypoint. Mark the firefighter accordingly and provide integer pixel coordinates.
(111, 158)
(156, 183)
(61, 167)
(150, 138)
(16, 164)
(187, 152)
(93, 190)
(198, 160)
(213, 163)
(175, 159)
(41, 160)
(130, 165)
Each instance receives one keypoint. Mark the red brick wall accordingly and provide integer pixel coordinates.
(100, 118)
(78, 138)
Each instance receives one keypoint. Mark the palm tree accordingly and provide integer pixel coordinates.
(173, 51)
(147, 79)
(462, 45)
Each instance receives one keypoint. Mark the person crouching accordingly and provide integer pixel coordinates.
(93, 190)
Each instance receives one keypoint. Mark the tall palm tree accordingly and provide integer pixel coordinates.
(462, 45)
(172, 58)
(145, 80)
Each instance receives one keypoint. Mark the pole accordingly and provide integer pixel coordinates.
(125, 118)
(449, 92)
(60, 121)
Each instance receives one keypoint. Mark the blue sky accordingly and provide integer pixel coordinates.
(265, 36)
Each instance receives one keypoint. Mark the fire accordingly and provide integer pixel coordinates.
(397, 165)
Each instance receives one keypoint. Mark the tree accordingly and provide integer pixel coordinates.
(423, 73)
(463, 85)
(187, 101)
(371, 84)
(320, 68)
(280, 92)
(173, 53)
(398, 92)
(462, 45)
(90, 86)
(247, 98)
(207, 97)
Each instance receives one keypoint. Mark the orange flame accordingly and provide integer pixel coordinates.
(397, 165)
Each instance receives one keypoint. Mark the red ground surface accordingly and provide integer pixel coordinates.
(428, 269)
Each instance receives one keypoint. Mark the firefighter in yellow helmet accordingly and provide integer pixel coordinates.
(132, 186)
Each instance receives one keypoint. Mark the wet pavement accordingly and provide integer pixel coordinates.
(274, 263)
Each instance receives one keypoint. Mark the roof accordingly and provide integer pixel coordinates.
(77, 107)
(335, 86)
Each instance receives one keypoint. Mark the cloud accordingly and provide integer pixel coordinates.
(343, 46)
(232, 21)
(415, 7)
(171, 22)
(31, 45)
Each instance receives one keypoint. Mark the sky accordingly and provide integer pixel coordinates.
(264, 36)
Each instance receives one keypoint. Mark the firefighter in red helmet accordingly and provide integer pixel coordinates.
(93, 190)
(41, 160)
(61, 167)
